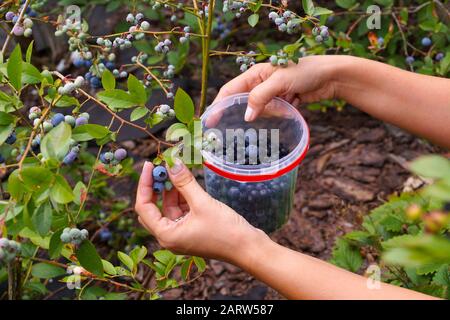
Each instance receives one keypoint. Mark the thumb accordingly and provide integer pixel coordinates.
(262, 94)
(185, 183)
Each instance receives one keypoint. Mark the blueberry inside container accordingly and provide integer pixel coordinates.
(254, 176)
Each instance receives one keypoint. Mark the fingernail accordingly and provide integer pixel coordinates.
(177, 167)
(249, 114)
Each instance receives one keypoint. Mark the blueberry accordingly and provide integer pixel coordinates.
(102, 158)
(426, 42)
(88, 76)
(9, 15)
(233, 193)
(158, 187)
(409, 60)
(80, 121)
(2, 159)
(87, 64)
(70, 120)
(108, 156)
(110, 65)
(380, 41)
(160, 174)
(78, 63)
(95, 82)
(439, 56)
(70, 157)
(57, 119)
(120, 154)
(11, 139)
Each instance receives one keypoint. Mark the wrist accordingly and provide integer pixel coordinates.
(253, 247)
(342, 72)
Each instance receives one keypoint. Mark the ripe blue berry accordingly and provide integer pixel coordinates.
(439, 56)
(70, 157)
(120, 154)
(57, 119)
(105, 235)
(158, 187)
(9, 15)
(409, 60)
(426, 42)
(80, 121)
(160, 174)
(95, 82)
(12, 138)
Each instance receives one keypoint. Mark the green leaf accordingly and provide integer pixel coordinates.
(55, 246)
(56, 143)
(5, 131)
(346, 256)
(109, 268)
(126, 260)
(6, 119)
(442, 276)
(319, 11)
(346, 4)
(184, 106)
(118, 99)
(137, 89)
(47, 271)
(14, 68)
(42, 219)
(89, 258)
(79, 193)
(93, 131)
(36, 178)
(61, 192)
(308, 7)
(29, 52)
(431, 166)
(163, 256)
(176, 131)
(138, 254)
(200, 263)
(30, 74)
(185, 269)
(253, 20)
(108, 80)
(138, 113)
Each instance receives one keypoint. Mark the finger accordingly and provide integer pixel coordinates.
(262, 94)
(145, 208)
(185, 183)
(246, 81)
(171, 204)
(145, 190)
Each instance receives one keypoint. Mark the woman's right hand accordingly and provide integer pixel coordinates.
(311, 80)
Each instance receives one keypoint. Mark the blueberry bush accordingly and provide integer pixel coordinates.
(60, 217)
(407, 238)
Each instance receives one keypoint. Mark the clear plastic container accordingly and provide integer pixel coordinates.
(262, 190)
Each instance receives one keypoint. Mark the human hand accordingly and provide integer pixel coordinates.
(191, 221)
(312, 79)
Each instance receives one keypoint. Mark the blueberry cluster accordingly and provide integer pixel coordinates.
(165, 111)
(252, 152)
(160, 180)
(286, 22)
(185, 38)
(222, 29)
(246, 61)
(265, 205)
(74, 236)
(81, 59)
(237, 7)
(141, 59)
(73, 29)
(70, 86)
(163, 46)
(280, 59)
(23, 28)
(9, 250)
(113, 158)
(170, 72)
(321, 33)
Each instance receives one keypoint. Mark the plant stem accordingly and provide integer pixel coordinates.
(205, 58)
